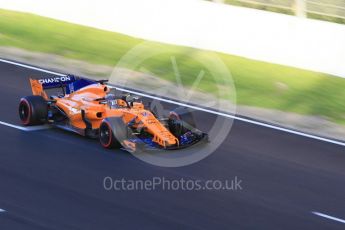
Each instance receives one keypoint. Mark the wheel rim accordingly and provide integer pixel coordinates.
(24, 112)
(105, 135)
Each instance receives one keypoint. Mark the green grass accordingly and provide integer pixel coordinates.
(42, 34)
(257, 83)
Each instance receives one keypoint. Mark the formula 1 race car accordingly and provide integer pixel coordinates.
(97, 110)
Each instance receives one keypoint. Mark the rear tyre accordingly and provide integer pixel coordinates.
(33, 110)
(112, 132)
(181, 120)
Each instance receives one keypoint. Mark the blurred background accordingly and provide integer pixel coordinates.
(286, 58)
(328, 10)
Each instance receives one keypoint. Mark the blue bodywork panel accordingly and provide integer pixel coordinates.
(78, 84)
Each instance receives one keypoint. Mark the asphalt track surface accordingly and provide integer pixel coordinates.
(52, 179)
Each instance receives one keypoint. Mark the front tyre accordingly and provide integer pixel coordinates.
(180, 121)
(33, 110)
(111, 133)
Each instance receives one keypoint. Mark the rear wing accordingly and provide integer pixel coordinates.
(39, 86)
(68, 83)
(56, 82)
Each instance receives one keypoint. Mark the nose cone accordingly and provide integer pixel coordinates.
(171, 142)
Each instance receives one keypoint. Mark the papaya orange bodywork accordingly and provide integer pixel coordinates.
(37, 89)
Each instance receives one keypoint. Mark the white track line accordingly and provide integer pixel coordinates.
(31, 128)
(32, 67)
(329, 217)
(2, 210)
(197, 108)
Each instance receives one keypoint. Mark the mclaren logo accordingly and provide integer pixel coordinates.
(55, 80)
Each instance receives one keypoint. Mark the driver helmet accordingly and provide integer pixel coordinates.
(111, 100)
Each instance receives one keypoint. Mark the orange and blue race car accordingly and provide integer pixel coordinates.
(97, 110)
